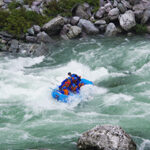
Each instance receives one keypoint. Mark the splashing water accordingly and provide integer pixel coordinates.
(30, 118)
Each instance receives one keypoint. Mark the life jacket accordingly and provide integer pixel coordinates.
(65, 83)
(65, 91)
(80, 85)
(75, 78)
(74, 88)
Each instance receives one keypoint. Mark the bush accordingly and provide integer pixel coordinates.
(28, 2)
(14, 5)
(63, 7)
(140, 28)
(17, 21)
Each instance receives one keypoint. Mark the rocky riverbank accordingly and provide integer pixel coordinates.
(112, 18)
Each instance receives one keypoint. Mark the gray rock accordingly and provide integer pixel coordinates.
(35, 8)
(126, 4)
(81, 11)
(88, 26)
(115, 4)
(146, 16)
(101, 3)
(43, 37)
(111, 30)
(54, 26)
(106, 137)
(108, 7)
(100, 22)
(74, 32)
(69, 32)
(100, 13)
(122, 8)
(7, 1)
(2, 3)
(14, 46)
(37, 3)
(138, 14)
(134, 2)
(127, 20)
(113, 14)
(31, 31)
(75, 20)
(33, 49)
(36, 28)
(31, 39)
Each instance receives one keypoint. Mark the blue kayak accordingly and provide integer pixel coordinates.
(64, 98)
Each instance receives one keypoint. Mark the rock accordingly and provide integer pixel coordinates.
(33, 49)
(31, 39)
(108, 7)
(35, 8)
(100, 22)
(106, 137)
(126, 4)
(148, 28)
(127, 20)
(88, 26)
(115, 4)
(75, 20)
(145, 16)
(134, 2)
(44, 37)
(122, 8)
(74, 32)
(69, 32)
(14, 46)
(100, 13)
(36, 28)
(113, 14)
(81, 11)
(101, 3)
(111, 30)
(1, 3)
(139, 14)
(31, 31)
(7, 1)
(54, 26)
(130, 34)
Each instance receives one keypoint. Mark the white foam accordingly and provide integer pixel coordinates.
(116, 99)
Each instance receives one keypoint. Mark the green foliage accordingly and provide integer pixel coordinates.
(3, 18)
(17, 21)
(14, 5)
(28, 2)
(63, 7)
(140, 28)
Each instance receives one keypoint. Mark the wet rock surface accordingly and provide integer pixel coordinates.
(106, 137)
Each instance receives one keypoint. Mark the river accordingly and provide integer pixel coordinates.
(120, 69)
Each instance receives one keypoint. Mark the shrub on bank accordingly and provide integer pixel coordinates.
(63, 7)
(140, 29)
(17, 21)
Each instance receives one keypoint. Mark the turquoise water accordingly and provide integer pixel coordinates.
(120, 70)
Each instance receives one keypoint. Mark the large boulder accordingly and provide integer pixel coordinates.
(101, 24)
(88, 26)
(146, 16)
(126, 4)
(83, 11)
(100, 13)
(75, 20)
(113, 14)
(106, 137)
(122, 8)
(111, 30)
(127, 20)
(69, 32)
(54, 26)
(108, 7)
(31, 39)
(44, 37)
(1, 3)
